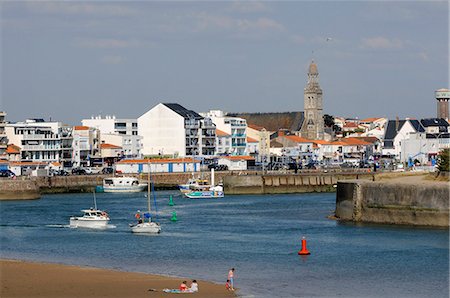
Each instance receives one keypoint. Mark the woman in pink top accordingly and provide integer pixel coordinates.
(231, 278)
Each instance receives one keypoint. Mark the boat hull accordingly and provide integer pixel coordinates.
(138, 188)
(146, 228)
(205, 194)
(79, 222)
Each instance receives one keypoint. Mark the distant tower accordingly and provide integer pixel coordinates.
(313, 124)
(442, 97)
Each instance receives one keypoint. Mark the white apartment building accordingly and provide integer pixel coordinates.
(131, 144)
(263, 137)
(118, 131)
(39, 140)
(112, 125)
(86, 147)
(171, 129)
(234, 126)
(223, 143)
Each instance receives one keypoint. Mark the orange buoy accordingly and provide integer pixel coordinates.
(304, 250)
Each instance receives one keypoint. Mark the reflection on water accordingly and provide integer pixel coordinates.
(258, 235)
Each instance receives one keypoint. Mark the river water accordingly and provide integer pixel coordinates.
(259, 235)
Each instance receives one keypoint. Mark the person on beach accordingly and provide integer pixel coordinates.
(194, 286)
(183, 286)
(227, 285)
(231, 278)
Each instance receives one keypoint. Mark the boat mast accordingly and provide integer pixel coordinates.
(95, 201)
(148, 188)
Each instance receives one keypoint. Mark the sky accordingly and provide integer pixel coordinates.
(68, 61)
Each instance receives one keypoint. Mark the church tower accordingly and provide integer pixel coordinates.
(313, 124)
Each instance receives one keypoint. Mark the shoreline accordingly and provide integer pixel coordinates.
(38, 279)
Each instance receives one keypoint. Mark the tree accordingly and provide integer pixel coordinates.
(443, 161)
(328, 120)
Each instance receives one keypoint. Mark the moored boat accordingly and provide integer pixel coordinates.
(123, 184)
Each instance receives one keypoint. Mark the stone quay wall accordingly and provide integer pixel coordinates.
(242, 182)
(287, 183)
(389, 203)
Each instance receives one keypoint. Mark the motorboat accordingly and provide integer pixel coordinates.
(212, 192)
(123, 184)
(92, 218)
(194, 184)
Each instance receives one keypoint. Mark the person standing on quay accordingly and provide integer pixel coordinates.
(231, 278)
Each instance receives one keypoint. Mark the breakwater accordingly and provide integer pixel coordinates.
(424, 204)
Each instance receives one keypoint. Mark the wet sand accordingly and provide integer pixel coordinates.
(27, 279)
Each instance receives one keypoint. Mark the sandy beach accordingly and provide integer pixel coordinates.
(27, 279)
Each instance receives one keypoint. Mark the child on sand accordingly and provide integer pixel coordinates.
(194, 287)
(227, 285)
(183, 286)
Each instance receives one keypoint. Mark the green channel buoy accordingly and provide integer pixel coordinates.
(171, 201)
(174, 216)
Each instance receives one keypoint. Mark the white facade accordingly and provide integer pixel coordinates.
(234, 126)
(402, 135)
(419, 147)
(86, 146)
(162, 132)
(3, 138)
(112, 125)
(131, 144)
(234, 163)
(39, 140)
(177, 165)
(223, 143)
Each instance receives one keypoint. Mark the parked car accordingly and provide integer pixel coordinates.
(107, 170)
(7, 173)
(218, 167)
(78, 171)
(58, 173)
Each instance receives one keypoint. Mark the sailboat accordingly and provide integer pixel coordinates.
(146, 225)
(92, 218)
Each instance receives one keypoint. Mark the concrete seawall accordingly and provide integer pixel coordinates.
(286, 183)
(234, 183)
(393, 203)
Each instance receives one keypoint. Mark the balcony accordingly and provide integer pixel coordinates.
(40, 148)
(238, 144)
(238, 135)
(40, 137)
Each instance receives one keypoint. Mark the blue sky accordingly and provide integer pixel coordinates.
(72, 60)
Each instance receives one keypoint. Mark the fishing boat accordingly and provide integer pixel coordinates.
(92, 218)
(123, 184)
(212, 192)
(145, 224)
(194, 184)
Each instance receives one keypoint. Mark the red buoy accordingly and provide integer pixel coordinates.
(304, 250)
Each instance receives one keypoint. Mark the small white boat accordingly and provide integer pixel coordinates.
(92, 218)
(148, 227)
(145, 224)
(123, 184)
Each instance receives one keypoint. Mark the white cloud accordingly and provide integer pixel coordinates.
(382, 43)
(73, 8)
(209, 22)
(248, 6)
(106, 43)
(112, 59)
(297, 39)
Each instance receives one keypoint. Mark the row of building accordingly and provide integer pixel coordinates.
(172, 131)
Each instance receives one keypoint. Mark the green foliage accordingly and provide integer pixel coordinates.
(444, 160)
(328, 120)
